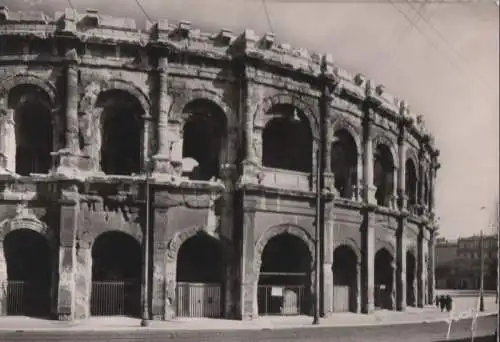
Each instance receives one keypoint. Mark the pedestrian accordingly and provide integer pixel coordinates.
(449, 303)
(441, 302)
(437, 301)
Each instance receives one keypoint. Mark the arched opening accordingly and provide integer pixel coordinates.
(383, 175)
(204, 136)
(344, 163)
(287, 140)
(425, 189)
(411, 183)
(384, 277)
(116, 275)
(29, 273)
(285, 277)
(200, 274)
(33, 129)
(410, 279)
(121, 132)
(345, 279)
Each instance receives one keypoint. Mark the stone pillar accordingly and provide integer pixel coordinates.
(369, 188)
(394, 195)
(420, 268)
(248, 308)
(421, 172)
(327, 269)
(432, 267)
(247, 97)
(83, 280)
(368, 262)
(3, 281)
(69, 209)
(146, 142)
(162, 294)
(358, 286)
(8, 139)
(393, 286)
(401, 265)
(402, 198)
(68, 156)
(162, 157)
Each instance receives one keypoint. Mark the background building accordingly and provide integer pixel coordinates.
(458, 263)
(100, 122)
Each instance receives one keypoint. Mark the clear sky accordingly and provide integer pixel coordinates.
(447, 69)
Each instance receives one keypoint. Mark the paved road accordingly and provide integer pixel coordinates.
(397, 333)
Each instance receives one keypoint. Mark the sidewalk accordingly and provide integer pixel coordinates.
(383, 317)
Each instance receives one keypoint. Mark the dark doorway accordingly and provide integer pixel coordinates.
(29, 273)
(33, 129)
(287, 140)
(344, 280)
(384, 263)
(116, 275)
(410, 279)
(203, 138)
(411, 183)
(121, 135)
(285, 277)
(200, 271)
(383, 175)
(344, 163)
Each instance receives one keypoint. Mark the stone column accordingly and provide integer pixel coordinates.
(393, 286)
(83, 280)
(248, 308)
(432, 267)
(67, 253)
(146, 142)
(358, 287)
(247, 98)
(401, 265)
(164, 103)
(68, 156)
(420, 268)
(162, 294)
(394, 195)
(368, 262)
(3, 281)
(421, 172)
(369, 188)
(402, 198)
(327, 269)
(8, 139)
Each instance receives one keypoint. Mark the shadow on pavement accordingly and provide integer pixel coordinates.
(476, 339)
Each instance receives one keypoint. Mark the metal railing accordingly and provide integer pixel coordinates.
(284, 300)
(24, 298)
(115, 298)
(198, 300)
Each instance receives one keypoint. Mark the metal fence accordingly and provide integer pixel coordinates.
(26, 298)
(198, 300)
(115, 298)
(281, 300)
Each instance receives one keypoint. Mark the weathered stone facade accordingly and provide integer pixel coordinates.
(79, 62)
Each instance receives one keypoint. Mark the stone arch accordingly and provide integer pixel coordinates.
(132, 89)
(26, 220)
(385, 244)
(275, 231)
(10, 82)
(87, 238)
(412, 155)
(342, 123)
(190, 95)
(383, 139)
(176, 241)
(292, 100)
(352, 244)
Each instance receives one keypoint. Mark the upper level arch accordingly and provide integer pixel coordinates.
(382, 139)
(11, 82)
(185, 97)
(130, 88)
(291, 100)
(342, 124)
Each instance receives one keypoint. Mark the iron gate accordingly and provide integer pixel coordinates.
(115, 298)
(281, 299)
(26, 298)
(198, 300)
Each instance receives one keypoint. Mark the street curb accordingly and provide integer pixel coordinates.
(74, 327)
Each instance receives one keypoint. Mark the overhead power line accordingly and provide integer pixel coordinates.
(267, 16)
(435, 46)
(143, 10)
